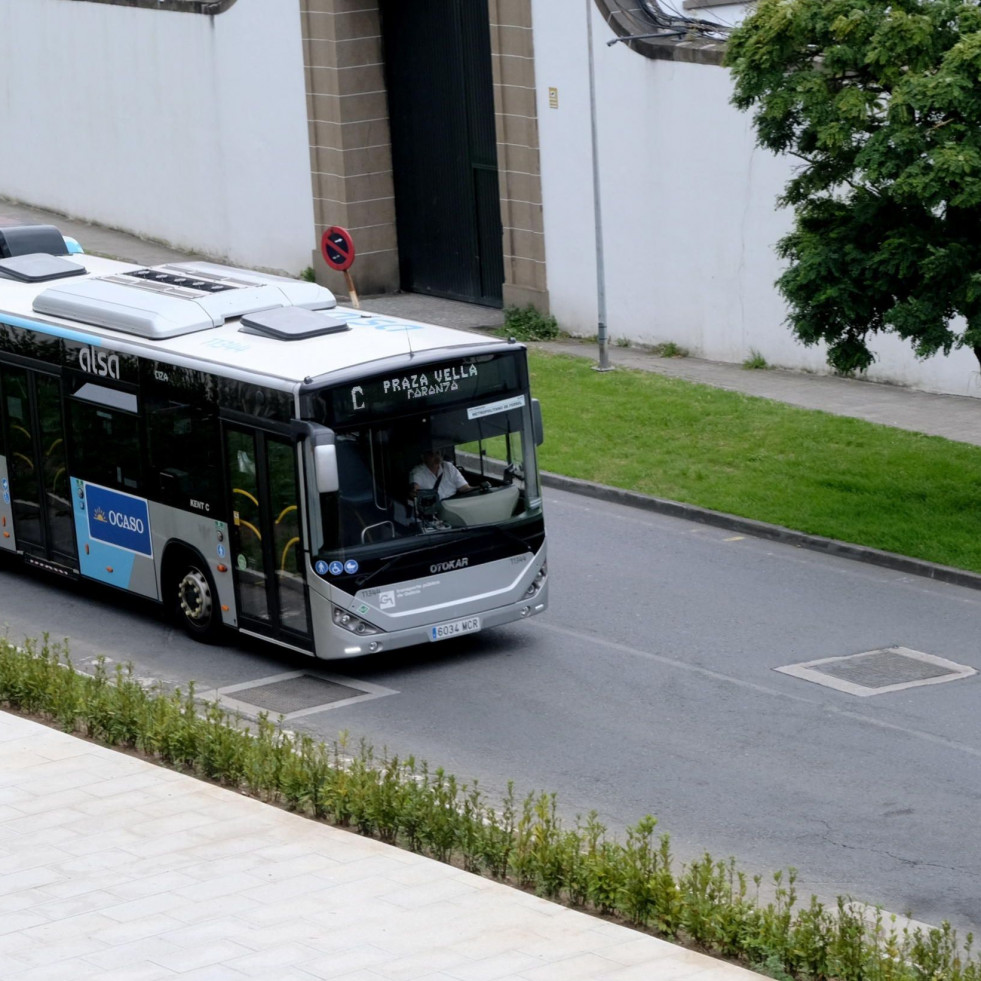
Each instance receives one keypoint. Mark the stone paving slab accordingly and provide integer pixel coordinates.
(113, 868)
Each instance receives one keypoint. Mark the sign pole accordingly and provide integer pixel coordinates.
(351, 290)
(601, 334)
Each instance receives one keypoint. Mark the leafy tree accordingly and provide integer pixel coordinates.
(880, 100)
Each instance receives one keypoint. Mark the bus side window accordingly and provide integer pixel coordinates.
(183, 450)
(106, 446)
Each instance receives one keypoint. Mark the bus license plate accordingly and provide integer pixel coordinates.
(441, 631)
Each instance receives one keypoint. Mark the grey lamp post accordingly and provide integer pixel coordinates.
(601, 333)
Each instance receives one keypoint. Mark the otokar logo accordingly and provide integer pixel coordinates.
(118, 519)
(97, 362)
(449, 566)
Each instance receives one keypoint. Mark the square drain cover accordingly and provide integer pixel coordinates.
(878, 671)
(294, 694)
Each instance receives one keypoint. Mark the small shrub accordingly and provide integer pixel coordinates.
(308, 275)
(497, 836)
(772, 967)
(529, 324)
(669, 350)
(649, 894)
(755, 361)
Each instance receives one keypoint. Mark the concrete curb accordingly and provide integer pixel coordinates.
(760, 529)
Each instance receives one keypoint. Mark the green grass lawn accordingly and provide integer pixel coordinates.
(814, 472)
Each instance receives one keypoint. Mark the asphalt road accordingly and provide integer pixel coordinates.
(649, 687)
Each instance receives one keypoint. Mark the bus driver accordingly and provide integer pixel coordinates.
(435, 473)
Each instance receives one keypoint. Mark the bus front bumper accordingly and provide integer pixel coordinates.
(345, 644)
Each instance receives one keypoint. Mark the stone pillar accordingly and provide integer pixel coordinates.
(350, 146)
(519, 170)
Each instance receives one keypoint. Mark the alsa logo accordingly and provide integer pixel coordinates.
(98, 362)
(449, 566)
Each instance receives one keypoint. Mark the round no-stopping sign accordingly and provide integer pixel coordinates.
(337, 248)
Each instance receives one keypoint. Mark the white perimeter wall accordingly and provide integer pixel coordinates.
(688, 209)
(175, 126)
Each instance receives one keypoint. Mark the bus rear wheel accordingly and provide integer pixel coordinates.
(196, 602)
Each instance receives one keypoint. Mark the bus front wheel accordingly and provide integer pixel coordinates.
(196, 603)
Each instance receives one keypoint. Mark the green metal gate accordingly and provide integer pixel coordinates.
(444, 150)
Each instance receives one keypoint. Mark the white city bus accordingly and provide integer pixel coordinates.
(238, 448)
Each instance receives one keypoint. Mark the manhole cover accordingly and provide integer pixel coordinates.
(883, 670)
(294, 694)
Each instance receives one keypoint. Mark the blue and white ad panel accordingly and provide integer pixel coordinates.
(118, 519)
(114, 541)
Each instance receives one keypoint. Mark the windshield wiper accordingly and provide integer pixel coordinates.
(409, 553)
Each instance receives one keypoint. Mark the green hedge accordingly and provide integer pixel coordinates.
(708, 905)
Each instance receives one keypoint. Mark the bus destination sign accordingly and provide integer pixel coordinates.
(425, 387)
(416, 385)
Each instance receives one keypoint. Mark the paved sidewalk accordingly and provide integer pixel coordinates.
(97, 239)
(113, 868)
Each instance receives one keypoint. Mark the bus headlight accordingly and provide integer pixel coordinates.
(342, 618)
(539, 581)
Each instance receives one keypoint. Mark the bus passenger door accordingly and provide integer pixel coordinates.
(40, 494)
(266, 543)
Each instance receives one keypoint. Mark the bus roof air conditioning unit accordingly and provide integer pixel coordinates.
(181, 298)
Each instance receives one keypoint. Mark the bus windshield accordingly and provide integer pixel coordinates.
(467, 460)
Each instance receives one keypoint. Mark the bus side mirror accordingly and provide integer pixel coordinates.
(536, 422)
(325, 467)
